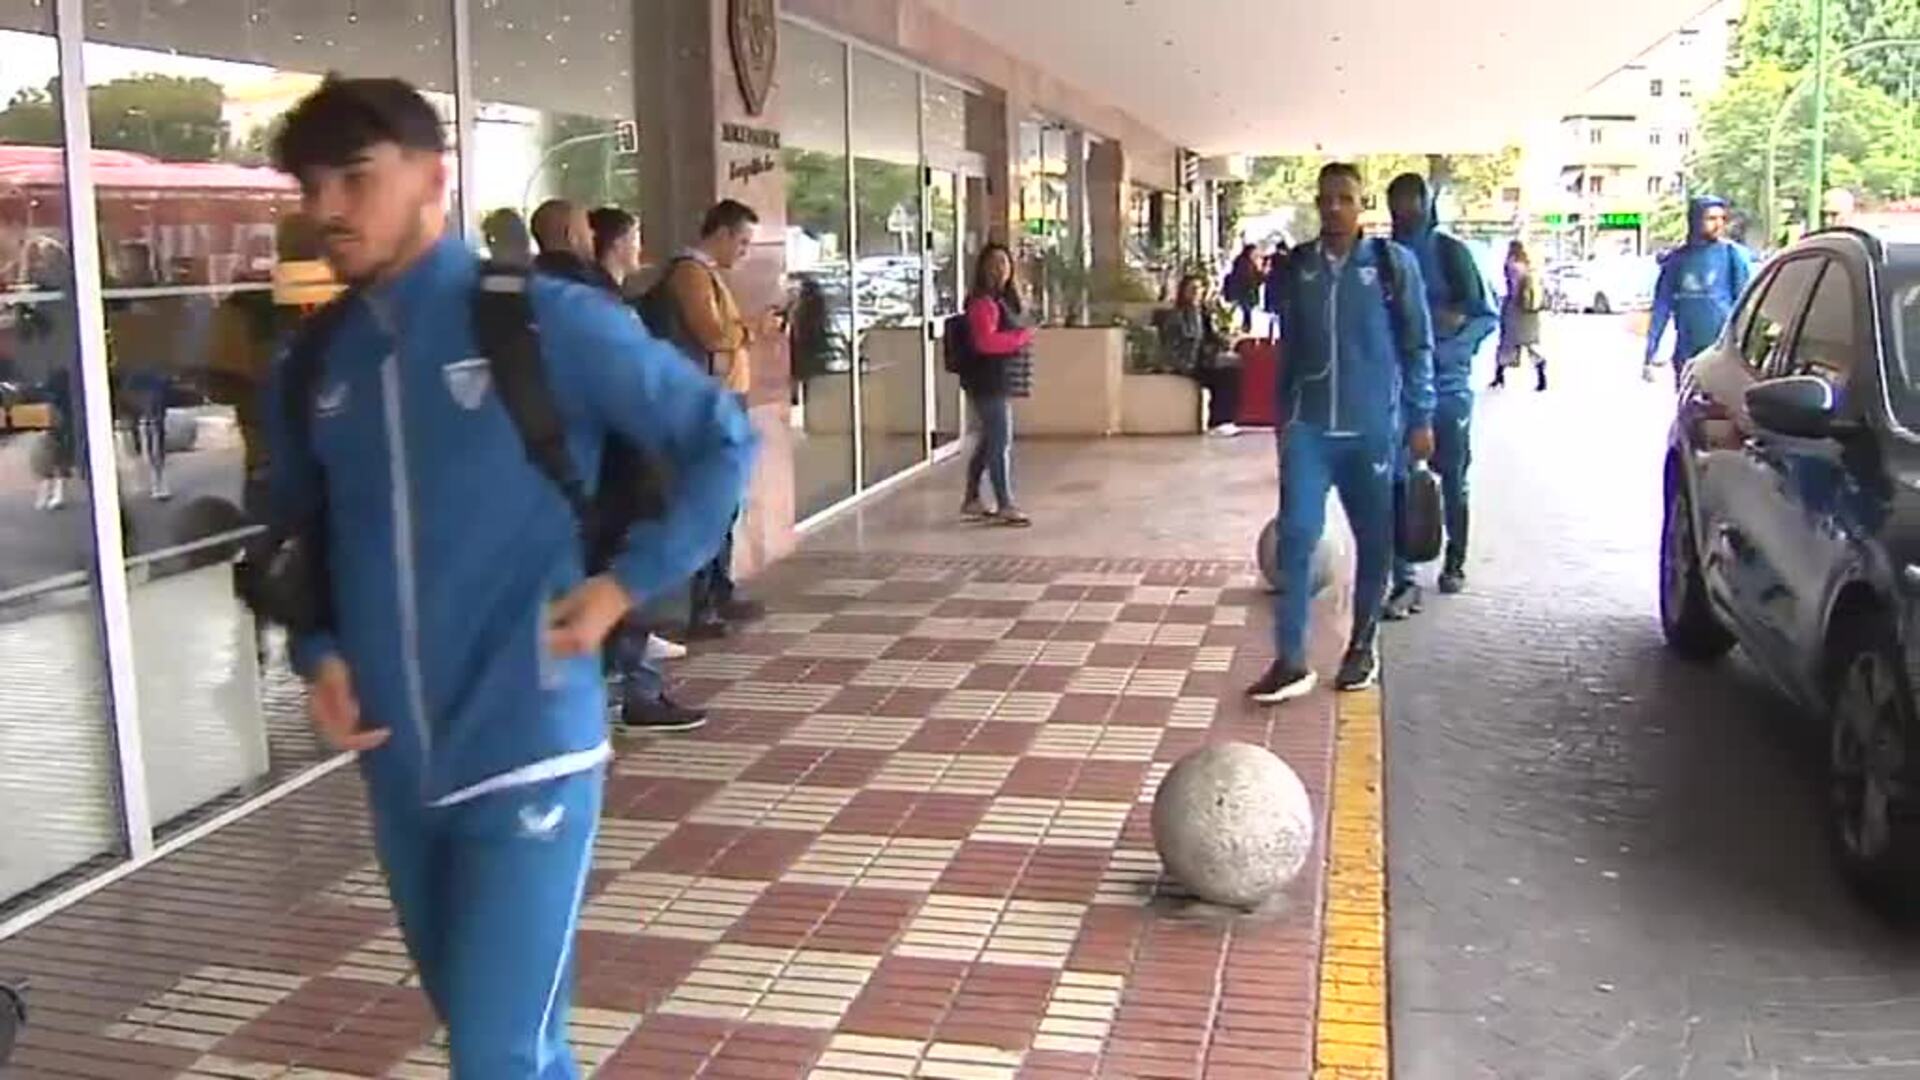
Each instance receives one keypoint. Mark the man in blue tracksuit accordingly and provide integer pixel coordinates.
(1700, 283)
(462, 660)
(1357, 373)
(1462, 320)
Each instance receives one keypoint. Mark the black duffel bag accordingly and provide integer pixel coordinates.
(1419, 536)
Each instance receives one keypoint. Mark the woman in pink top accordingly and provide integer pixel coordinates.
(999, 368)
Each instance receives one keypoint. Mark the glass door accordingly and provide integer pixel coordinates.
(946, 295)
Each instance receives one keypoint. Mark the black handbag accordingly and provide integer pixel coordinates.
(1420, 538)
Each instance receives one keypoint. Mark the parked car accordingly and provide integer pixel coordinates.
(1792, 524)
(1605, 285)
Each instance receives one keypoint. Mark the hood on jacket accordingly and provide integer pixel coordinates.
(1414, 184)
(1697, 208)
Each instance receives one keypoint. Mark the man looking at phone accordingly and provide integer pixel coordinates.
(708, 324)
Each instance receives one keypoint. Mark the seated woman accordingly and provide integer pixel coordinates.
(1197, 349)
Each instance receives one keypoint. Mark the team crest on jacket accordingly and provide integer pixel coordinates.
(1369, 276)
(468, 381)
(332, 401)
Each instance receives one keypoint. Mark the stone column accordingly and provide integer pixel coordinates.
(993, 129)
(1107, 210)
(700, 142)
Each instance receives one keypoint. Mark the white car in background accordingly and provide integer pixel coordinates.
(1605, 285)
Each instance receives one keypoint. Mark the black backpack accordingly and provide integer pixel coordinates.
(957, 337)
(660, 311)
(283, 575)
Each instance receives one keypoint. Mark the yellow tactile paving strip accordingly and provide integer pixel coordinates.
(1350, 1034)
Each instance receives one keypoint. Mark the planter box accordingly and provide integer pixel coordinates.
(1159, 405)
(1077, 373)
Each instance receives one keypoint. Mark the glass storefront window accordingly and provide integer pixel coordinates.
(58, 775)
(554, 117)
(196, 228)
(887, 271)
(951, 166)
(813, 84)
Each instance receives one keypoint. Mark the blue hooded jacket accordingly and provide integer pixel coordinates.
(1352, 364)
(1454, 286)
(446, 545)
(1699, 285)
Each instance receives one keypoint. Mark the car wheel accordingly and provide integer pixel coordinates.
(1686, 615)
(1875, 828)
(1601, 305)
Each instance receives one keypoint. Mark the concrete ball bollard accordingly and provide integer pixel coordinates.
(1232, 823)
(1333, 545)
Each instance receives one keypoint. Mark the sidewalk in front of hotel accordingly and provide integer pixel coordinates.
(913, 842)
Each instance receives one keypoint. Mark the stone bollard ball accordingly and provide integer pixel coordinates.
(1233, 824)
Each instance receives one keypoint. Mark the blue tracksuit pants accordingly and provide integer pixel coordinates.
(1361, 468)
(1452, 455)
(488, 893)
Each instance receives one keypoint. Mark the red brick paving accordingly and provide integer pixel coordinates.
(259, 930)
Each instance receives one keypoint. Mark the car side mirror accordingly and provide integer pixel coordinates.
(1799, 406)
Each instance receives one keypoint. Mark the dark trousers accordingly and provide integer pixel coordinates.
(1452, 455)
(712, 584)
(1223, 393)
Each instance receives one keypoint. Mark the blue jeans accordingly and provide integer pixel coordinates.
(640, 678)
(488, 893)
(1361, 468)
(1452, 454)
(993, 453)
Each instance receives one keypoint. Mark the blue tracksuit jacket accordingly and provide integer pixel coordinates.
(1351, 366)
(1699, 285)
(446, 544)
(1453, 284)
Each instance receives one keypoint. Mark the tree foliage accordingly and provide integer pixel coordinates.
(1873, 125)
(164, 116)
(1472, 180)
(1783, 32)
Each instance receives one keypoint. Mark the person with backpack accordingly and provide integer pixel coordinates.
(1699, 285)
(445, 571)
(1463, 317)
(693, 307)
(1358, 382)
(1520, 319)
(998, 367)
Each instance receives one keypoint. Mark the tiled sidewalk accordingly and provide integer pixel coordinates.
(914, 842)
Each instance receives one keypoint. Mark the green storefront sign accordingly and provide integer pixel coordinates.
(1619, 221)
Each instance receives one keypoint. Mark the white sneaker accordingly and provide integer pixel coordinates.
(56, 495)
(659, 648)
(1225, 431)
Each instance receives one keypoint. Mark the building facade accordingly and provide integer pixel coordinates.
(1596, 179)
(151, 263)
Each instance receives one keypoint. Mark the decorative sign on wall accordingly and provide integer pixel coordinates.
(753, 29)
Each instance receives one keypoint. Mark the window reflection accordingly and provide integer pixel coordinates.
(208, 270)
(887, 189)
(58, 798)
(812, 77)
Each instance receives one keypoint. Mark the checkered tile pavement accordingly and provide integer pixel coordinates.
(913, 842)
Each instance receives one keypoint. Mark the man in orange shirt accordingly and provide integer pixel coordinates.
(707, 325)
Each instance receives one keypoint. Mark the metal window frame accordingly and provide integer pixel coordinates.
(90, 319)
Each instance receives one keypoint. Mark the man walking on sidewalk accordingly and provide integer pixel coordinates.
(1699, 286)
(457, 645)
(1463, 318)
(1359, 372)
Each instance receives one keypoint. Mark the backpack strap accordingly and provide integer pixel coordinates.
(301, 370)
(505, 328)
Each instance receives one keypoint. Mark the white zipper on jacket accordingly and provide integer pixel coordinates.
(399, 479)
(1334, 273)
